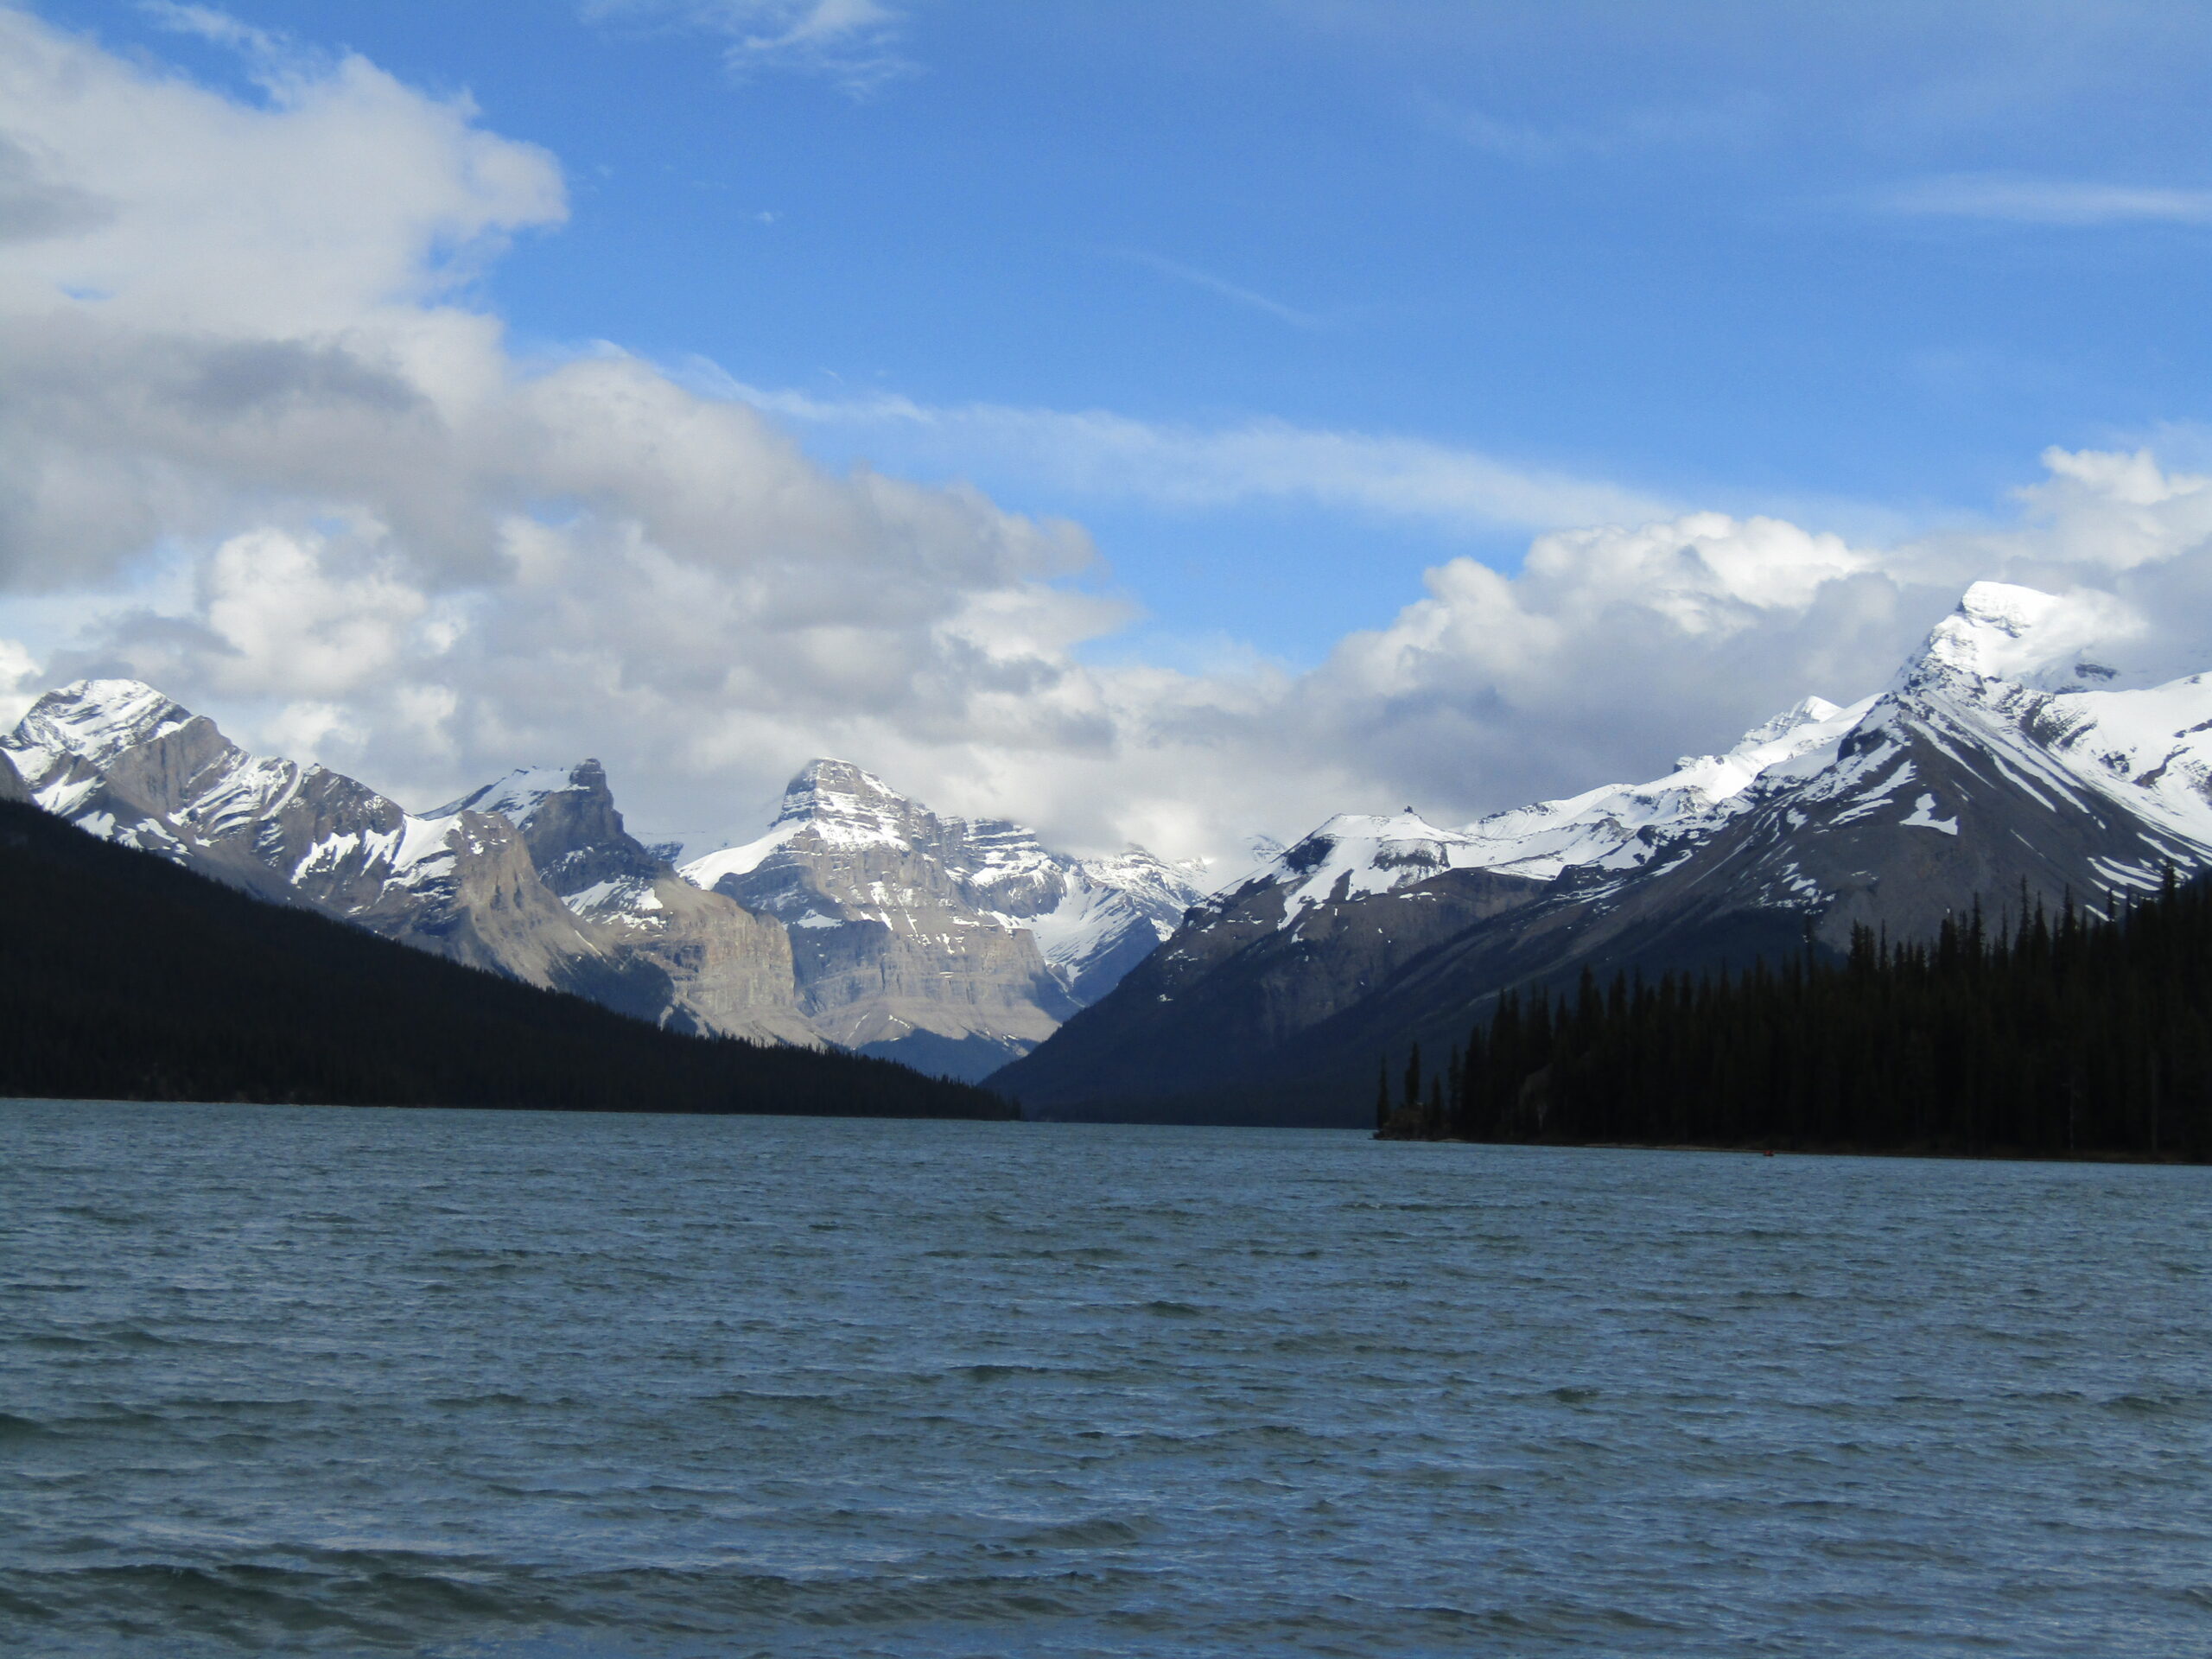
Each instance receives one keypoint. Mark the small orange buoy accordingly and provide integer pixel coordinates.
(1769, 1152)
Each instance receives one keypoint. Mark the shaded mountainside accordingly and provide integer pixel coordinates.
(2005, 755)
(126, 977)
(724, 969)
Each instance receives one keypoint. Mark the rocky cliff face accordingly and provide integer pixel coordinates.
(2009, 754)
(729, 972)
(954, 943)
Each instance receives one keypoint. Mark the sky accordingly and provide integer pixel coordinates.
(1157, 423)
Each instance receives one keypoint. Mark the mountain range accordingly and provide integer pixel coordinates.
(2012, 757)
(860, 920)
(2009, 758)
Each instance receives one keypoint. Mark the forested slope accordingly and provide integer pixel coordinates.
(2056, 1033)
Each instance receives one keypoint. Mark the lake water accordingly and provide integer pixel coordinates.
(281, 1381)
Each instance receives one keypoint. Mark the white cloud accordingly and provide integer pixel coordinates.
(213, 25)
(378, 536)
(1102, 456)
(851, 43)
(2007, 200)
(19, 680)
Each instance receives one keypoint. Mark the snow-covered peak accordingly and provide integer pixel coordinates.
(1360, 853)
(94, 721)
(831, 804)
(1784, 727)
(2020, 636)
(839, 792)
(523, 790)
(1617, 826)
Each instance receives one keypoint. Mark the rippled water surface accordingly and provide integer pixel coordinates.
(283, 1381)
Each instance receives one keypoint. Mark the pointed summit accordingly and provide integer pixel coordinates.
(2022, 636)
(567, 819)
(838, 791)
(93, 720)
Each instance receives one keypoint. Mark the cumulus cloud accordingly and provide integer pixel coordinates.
(255, 439)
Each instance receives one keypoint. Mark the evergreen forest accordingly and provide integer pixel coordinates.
(2071, 1033)
(123, 977)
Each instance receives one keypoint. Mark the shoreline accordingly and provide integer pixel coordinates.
(1992, 1155)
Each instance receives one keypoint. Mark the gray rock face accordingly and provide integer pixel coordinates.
(2000, 760)
(729, 971)
(957, 943)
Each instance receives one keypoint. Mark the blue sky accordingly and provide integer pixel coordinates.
(1860, 262)
(1305, 313)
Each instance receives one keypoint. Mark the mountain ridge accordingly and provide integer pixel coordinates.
(955, 944)
(2000, 756)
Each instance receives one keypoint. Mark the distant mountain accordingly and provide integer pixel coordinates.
(121, 760)
(2008, 754)
(860, 919)
(728, 970)
(956, 944)
(123, 977)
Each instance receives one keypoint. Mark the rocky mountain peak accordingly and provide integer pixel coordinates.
(1807, 711)
(568, 820)
(838, 791)
(94, 721)
(2011, 635)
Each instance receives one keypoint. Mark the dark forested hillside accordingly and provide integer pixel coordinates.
(124, 977)
(2061, 1033)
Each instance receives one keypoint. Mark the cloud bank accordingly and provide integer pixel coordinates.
(256, 437)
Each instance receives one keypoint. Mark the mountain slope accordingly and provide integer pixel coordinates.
(126, 977)
(728, 970)
(2005, 754)
(118, 759)
(860, 919)
(952, 942)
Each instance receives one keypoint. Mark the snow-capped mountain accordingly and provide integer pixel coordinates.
(2020, 748)
(2014, 750)
(121, 760)
(729, 971)
(860, 919)
(1617, 827)
(956, 942)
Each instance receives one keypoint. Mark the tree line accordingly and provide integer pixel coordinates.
(2051, 1033)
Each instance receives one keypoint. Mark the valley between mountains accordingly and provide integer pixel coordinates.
(2015, 753)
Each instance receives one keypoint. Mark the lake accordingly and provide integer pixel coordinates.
(309, 1381)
